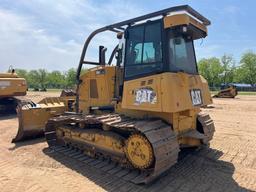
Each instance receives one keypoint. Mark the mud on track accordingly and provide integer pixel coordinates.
(229, 165)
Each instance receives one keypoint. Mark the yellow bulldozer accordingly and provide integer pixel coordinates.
(133, 116)
(11, 87)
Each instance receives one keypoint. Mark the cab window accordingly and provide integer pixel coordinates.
(144, 50)
(181, 54)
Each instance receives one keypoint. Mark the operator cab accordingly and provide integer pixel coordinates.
(163, 45)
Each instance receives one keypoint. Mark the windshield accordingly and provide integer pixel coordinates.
(181, 54)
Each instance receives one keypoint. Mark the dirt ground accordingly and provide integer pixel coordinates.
(229, 165)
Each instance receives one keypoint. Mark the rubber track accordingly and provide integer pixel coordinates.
(159, 134)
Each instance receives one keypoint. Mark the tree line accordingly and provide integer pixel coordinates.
(215, 70)
(225, 70)
(42, 79)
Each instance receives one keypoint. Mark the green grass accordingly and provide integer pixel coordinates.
(49, 90)
(214, 92)
(246, 93)
(239, 93)
(54, 90)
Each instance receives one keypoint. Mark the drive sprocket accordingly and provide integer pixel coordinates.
(139, 151)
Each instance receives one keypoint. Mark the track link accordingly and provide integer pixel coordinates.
(160, 135)
(208, 127)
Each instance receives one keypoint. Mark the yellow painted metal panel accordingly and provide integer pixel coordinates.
(177, 87)
(104, 77)
(143, 94)
(8, 75)
(182, 19)
(10, 87)
(173, 92)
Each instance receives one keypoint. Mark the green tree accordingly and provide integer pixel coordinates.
(228, 65)
(32, 79)
(246, 73)
(22, 73)
(55, 79)
(211, 69)
(239, 74)
(70, 78)
(42, 78)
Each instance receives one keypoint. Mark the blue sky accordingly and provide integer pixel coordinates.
(50, 34)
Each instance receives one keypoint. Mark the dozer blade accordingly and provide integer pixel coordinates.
(33, 117)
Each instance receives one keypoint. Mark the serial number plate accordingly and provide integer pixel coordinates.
(196, 96)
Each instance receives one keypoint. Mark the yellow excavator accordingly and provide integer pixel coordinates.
(133, 116)
(11, 88)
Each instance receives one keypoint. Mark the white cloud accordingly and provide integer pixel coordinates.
(24, 46)
(50, 34)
